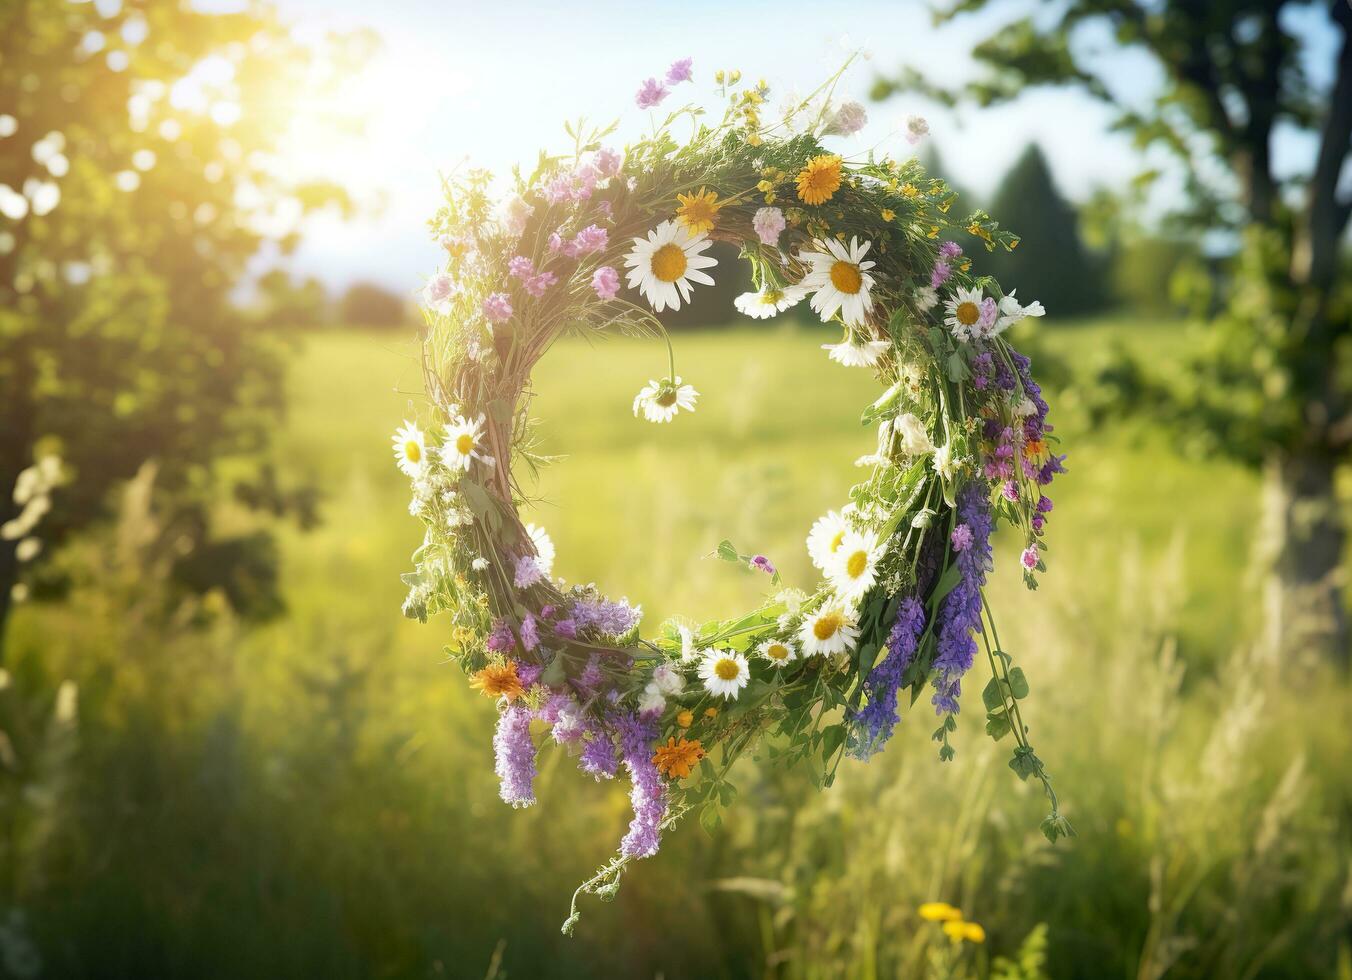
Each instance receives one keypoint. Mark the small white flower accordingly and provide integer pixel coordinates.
(854, 566)
(963, 313)
(828, 631)
(724, 672)
(663, 266)
(661, 400)
(769, 301)
(926, 298)
(1012, 311)
(27, 549)
(825, 537)
(461, 446)
(915, 441)
(668, 679)
(778, 652)
(479, 564)
(945, 463)
(1025, 408)
(410, 449)
(688, 650)
(544, 548)
(651, 701)
(851, 354)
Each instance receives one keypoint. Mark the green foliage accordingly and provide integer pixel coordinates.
(118, 342)
(369, 305)
(1057, 269)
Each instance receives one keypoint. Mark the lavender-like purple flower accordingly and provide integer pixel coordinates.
(960, 611)
(872, 726)
(941, 274)
(606, 617)
(950, 250)
(598, 752)
(650, 93)
(762, 564)
(500, 638)
(515, 756)
(530, 633)
(680, 71)
(648, 795)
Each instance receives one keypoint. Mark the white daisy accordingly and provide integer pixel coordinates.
(463, 439)
(544, 548)
(778, 652)
(769, 301)
(410, 449)
(839, 280)
(830, 630)
(688, 651)
(854, 566)
(724, 672)
(963, 312)
(851, 354)
(663, 265)
(825, 537)
(661, 400)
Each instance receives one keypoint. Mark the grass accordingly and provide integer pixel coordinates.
(317, 798)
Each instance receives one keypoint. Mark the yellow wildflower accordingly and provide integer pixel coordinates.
(676, 758)
(888, 214)
(685, 717)
(940, 912)
(699, 211)
(498, 680)
(820, 179)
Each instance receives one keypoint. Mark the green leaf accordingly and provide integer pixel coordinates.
(710, 818)
(553, 675)
(992, 696)
(727, 551)
(1018, 684)
(831, 740)
(997, 725)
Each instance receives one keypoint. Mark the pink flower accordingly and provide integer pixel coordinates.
(961, 537)
(990, 310)
(916, 129)
(950, 250)
(606, 282)
(680, 71)
(521, 267)
(607, 162)
(1029, 558)
(593, 238)
(559, 189)
(1010, 490)
(438, 290)
(940, 275)
(848, 120)
(768, 223)
(536, 285)
(498, 308)
(650, 93)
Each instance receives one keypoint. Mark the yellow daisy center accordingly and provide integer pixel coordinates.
(464, 445)
(727, 669)
(666, 398)
(777, 651)
(845, 277)
(967, 313)
(836, 542)
(827, 625)
(669, 263)
(771, 296)
(412, 451)
(855, 565)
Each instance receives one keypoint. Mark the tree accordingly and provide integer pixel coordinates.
(132, 188)
(1059, 271)
(367, 305)
(1273, 385)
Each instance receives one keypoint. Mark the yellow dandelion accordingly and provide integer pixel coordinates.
(940, 912)
(820, 179)
(710, 712)
(685, 717)
(960, 931)
(910, 191)
(888, 214)
(677, 758)
(698, 212)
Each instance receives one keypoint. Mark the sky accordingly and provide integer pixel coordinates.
(489, 84)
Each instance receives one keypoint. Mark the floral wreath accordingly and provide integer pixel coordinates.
(963, 445)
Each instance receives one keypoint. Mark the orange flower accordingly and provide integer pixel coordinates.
(820, 179)
(498, 680)
(676, 757)
(685, 717)
(1034, 448)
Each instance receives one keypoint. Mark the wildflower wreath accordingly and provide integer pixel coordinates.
(963, 445)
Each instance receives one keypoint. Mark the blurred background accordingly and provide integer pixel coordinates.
(223, 752)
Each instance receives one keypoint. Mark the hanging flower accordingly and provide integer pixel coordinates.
(660, 401)
(852, 354)
(663, 266)
(768, 302)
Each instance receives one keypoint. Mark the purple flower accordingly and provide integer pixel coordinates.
(555, 242)
(650, 93)
(1029, 557)
(647, 794)
(941, 274)
(500, 638)
(521, 267)
(537, 284)
(514, 753)
(961, 537)
(680, 72)
(960, 611)
(1009, 490)
(606, 617)
(606, 162)
(872, 725)
(598, 757)
(950, 250)
(593, 238)
(528, 572)
(438, 290)
(606, 282)
(498, 308)
(530, 639)
(990, 311)
(763, 564)
(1044, 504)
(591, 676)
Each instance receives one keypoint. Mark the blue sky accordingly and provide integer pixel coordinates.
(491, 83)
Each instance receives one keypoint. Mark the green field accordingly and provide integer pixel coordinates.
(317, 797)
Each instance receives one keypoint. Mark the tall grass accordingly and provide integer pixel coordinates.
(317, 797)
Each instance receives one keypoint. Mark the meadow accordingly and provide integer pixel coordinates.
(316, 796)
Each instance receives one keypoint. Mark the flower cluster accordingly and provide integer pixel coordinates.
(605, 240)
